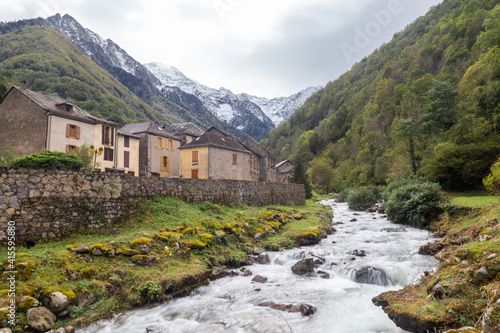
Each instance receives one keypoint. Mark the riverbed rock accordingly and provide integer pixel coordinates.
(5, 330)
(400, 229)
(371, 275)
(263, 258)
(373, 209)
(303, 266)
(259, 279)
(353, 220)
(40, 319)
(359, 253)
(430, 249)
(154, 329)
(307, 309)
(246, 272)
(217, 273)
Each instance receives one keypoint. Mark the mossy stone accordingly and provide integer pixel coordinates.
(26, 303)
(141, 241)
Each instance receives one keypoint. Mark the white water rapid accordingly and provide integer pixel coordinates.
(229, 305)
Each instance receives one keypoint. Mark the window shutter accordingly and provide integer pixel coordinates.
(126, 141)
(126, 159)
(168, 163)
(103, 134)
(173, 145)
(112, 135)
(67, 130)
(111, 153)
(67, 149)
(195, 156)
(235, 159)
(77, 132)
(163, 143)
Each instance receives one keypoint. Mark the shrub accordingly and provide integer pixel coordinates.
(364, 197)
(8, 158)
(414, 202)
(492, 181)
(50, 160)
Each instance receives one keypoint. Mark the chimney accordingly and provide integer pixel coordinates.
(23, 85)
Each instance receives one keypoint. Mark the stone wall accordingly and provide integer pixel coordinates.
(50, 203)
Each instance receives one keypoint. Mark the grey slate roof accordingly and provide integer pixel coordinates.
(281, 163)
(287, 170)
(185, 129)
(149, 127)
(125, 133)
(209, 139)
(50, 103)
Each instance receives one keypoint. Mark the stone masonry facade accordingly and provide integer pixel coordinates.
(47, 204)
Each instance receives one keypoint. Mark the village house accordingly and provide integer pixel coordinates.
(159, 155)
(262, 164)
(33, 122)
(284, 171)
(215, 155)
(128, 153)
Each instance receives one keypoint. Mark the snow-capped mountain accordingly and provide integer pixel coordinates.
(229, 106)
(216, 107)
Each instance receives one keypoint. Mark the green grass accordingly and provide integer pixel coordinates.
(472, 199)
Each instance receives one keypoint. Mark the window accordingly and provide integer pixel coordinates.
(108, 134)
(155, 174)
(73, 131)
(131, 173)
(194, 157)
(235, 159)
(126, 141)
(108, 154)
(170, 145)
(159, 142)
(165, 163)
(126, 159)
(71, 149)
(194, 173)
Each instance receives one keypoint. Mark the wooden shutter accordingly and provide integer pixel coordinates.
(126, 141)
(103, 134)
(195, 156)
(77, 132)
(68, 129)
(235, 159)
(168, 163)
(112, 135)
(111, 153)
(126, 159)
(194, 174)
(67, 149)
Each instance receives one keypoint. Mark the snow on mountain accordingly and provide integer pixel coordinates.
(226, 105)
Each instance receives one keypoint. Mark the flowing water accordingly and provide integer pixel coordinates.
(230, 305)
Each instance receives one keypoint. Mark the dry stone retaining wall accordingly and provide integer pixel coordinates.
(52, 203)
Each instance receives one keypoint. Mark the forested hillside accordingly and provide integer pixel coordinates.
(427, 103)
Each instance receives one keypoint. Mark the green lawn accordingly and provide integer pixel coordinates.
(472, 199)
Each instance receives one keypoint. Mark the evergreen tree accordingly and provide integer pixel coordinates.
(300, 175)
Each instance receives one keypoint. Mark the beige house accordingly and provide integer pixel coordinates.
(32, 122)
(215, 155)
(128, 153)
(158, 149)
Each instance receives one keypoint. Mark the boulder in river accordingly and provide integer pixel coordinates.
(371, 275)
(303, 266)
(259, 279)
(430, 249)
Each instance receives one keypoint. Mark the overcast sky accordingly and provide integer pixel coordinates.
(267, 48)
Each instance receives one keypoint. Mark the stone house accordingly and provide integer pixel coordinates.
(215, 155)
(32, 122)
(159, 154)
(262, 164)
(284, 171)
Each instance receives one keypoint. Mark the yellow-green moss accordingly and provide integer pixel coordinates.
(188, 231)
(69, 247)
(141, 241)
(207, 237)
(195, 244)
(4, 314)
(100, 247)
(4, 292)
(27, 304)
(65, 291)
(125, 251)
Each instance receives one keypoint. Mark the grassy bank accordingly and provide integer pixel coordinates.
(164, 250)
(465, 289)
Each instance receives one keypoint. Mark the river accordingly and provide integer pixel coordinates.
(230, 305)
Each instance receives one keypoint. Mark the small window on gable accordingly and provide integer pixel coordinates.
(194, 157)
